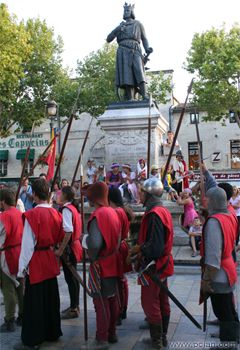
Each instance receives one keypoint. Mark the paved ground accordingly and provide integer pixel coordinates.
(182, 333)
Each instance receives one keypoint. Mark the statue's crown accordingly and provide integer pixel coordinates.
(129, 6)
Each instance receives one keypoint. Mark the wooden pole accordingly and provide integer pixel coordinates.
(25, 164)
(81, 152)
(84, 261)
(177, 131)
(149, 136)
(62, 150)
(202, 190)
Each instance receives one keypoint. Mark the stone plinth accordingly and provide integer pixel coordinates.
(126, 132)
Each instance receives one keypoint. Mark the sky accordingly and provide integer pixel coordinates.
(170, 26)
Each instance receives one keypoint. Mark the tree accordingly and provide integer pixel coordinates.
(15, 49)
(214, 59)
(96, 75)
(32, 66)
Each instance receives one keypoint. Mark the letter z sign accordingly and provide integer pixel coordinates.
(216, 157)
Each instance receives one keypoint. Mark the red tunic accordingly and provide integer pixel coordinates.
(12, 221)
(165, 262)
(77, 231)
(228, 226)
(110, 228)
(46, 224)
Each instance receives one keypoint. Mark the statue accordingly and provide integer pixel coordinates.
(130, 72)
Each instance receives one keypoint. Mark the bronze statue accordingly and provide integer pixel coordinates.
(130, 72)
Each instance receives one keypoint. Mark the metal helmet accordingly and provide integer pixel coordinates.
(153, 186)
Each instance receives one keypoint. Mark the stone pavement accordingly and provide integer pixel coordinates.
(182, 333)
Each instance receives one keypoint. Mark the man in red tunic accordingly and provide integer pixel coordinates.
(11, 229)
(70, 248)
(38, 263)
(155, 244)
(102, 243)
(219, 271)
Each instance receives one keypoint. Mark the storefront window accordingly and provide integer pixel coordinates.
(193, 155)
(3, 167)
(235, 154)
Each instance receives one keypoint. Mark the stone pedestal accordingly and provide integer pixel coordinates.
(125, 126)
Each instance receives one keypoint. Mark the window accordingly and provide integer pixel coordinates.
(29, 166)
(3, 167)
(193, 155)
(235, 154)
(194, 117)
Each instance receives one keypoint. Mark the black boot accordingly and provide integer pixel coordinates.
(165, 323)
(156, 336)
(229, 331)
(8, 326)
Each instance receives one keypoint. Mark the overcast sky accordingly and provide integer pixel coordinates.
(170, 26)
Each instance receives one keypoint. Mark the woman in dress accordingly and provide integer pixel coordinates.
(190, 213)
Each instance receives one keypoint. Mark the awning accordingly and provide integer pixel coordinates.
(21, 153)
(4, 155)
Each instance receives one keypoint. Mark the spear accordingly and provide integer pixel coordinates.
(81, 152)
(84, 261)
(202, 189)
(25, 163)
(149, 136)
(62, 150)
(177, 131)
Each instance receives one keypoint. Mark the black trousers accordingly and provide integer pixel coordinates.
(224, 309)
(178, 187)
(41, 312)
(72, 282)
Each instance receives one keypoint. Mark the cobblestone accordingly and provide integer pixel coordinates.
(181, 330)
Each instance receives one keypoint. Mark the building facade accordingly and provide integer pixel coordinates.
(220, 143)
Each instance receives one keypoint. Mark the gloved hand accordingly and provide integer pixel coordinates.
(206, 287)
(135, 250)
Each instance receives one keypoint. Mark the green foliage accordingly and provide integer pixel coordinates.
(159, 86)
(15, 49)
(96, 74)
(214, 59)
(32, 64)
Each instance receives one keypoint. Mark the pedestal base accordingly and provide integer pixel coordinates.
(126, 132)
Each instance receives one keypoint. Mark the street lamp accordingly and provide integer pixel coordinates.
(51, 108)
(51, 112)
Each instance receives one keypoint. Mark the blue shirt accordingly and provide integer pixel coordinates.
(28, 202)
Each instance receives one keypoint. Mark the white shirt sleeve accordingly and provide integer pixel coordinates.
(27, 249)
(67, 220)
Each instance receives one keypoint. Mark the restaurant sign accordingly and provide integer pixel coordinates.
(23, 141)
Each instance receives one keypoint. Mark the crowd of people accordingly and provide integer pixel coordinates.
(43, 231)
